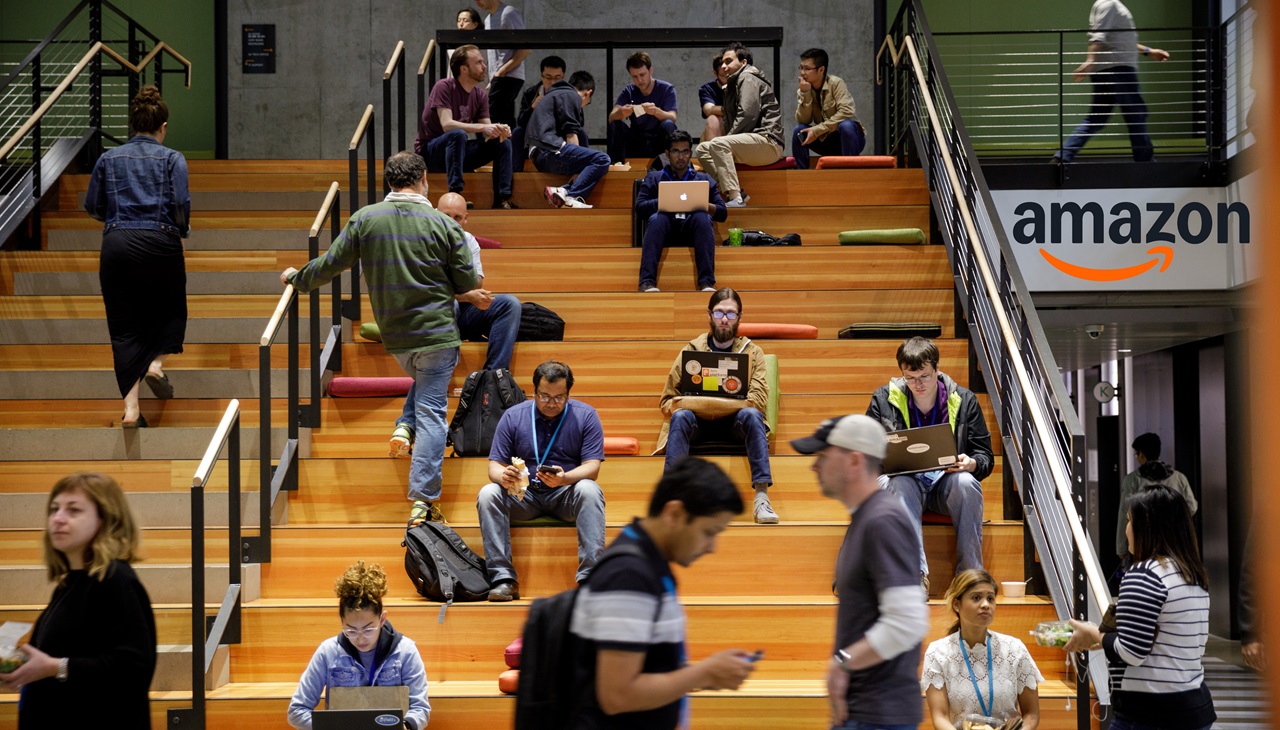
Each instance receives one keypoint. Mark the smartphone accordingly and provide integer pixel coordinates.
(544, 469)
(756, 657)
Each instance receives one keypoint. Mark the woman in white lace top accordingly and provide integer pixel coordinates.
(974, 670)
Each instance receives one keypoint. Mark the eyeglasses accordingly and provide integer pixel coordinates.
(808, 68)
(364, 633)
(679, 153)
(557, 399)
(920, 380)
(717, 314)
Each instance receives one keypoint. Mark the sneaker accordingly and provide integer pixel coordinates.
(436, 515)
(506, 205)
(401, 446)
(708, 289)
(649, 288)
(507, 590)
(764, 511)
(420, 512)
(738, 202)
(555, 196)
(576, 203)
(924, 582)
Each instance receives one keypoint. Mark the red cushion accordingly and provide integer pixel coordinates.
(834, 162)
(509, 681)
(770, 331)
(341, 387)
(933, 518)
(621, 445)
(513, 651)
(786, 163)
(488, 242)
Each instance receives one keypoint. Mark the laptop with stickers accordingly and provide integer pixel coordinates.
(916, 450)
(715, 374)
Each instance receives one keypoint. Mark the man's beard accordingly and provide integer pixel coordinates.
(718, 331)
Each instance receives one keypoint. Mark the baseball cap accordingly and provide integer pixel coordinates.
(854, 432)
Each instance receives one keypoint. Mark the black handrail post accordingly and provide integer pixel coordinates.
(400, 72)
(608, 75)
(95, 82)
(312, 415)
(134, 57)
(335, 230)
(198, 626)
(159, 72)
(35, 148)
(231, 633)
(265, 471)
(290, 481)
(387, 116)
(1080, 582)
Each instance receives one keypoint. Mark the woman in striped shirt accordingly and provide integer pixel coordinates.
(1162, 622)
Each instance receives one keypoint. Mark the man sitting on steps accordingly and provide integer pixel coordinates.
(695, 419)
(480, 314)
(557, 143)
(753, 126)
(667, 228)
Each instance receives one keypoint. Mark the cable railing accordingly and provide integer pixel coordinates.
(1017, 95)
(225, 627)
(1044, 445)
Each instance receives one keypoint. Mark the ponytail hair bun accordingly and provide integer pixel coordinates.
(147, 111)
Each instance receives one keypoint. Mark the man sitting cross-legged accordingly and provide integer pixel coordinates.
(562, 445)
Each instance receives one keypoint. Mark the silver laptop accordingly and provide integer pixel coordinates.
(916, 450)
(683, 196)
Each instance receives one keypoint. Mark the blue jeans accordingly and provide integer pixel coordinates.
(454, 153)
(859, 725)
(957, 495)
(665, 229)
(1117, 86)
(581, 503)
(500, 323)
(847, 141)
(626, 139)
(747, 426)
(1120, 722)
(431, 371)
(588, 164)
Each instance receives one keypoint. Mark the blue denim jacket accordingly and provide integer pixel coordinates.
(141, 184)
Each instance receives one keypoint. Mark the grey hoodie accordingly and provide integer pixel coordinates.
(750, 105)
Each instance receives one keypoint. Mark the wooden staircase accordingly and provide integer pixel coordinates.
(766, 588)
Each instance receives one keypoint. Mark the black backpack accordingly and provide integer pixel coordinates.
(486, 395)
(539, 324)
(442, 567)
(549, 695)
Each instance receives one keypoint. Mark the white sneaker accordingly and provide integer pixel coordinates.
(738, 202)
(555, 196)
(650, 289)
(708, 289)
(575, 203)
(764, 513)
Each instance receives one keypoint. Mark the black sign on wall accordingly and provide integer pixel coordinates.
(258, 49)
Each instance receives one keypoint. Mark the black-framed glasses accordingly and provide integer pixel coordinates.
(680, 153)
(557, 399)
(731, 316)
(808, 68)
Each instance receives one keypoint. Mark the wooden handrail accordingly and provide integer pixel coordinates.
(395, 58)
(210, 459)
(273, 324)
(364, 122)
(75, 72)
(1062, 481)
(426, 57)
(324, 209)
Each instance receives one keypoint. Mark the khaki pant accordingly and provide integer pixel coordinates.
(718, 156)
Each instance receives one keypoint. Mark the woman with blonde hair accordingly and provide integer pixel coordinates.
(94, 645)
(974, 670)
(367, 652)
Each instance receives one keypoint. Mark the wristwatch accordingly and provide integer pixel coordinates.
(62, 669)
(842, 659)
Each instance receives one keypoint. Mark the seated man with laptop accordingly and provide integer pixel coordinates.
(922, 397)
(680, 204)
(717, 389)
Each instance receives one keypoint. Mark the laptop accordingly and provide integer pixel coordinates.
(916, 450)
(683, 196)
(357, 719)
(715, 374)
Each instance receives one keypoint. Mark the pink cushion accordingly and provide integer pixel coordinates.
(786, 163)
(933, 518)
(513, 651)
(834, 162)
(369, 387)
(621, 445)
(768, 331)
(488, 242)
(509, 681)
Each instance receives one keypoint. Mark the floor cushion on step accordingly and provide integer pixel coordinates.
(841, 162)
(786, 163)
(341, 387)
(508, 681)
(882, 235)
(370, 331)
(621, 446)
(777, 331)
(488, 242)
(890, 330)
(933, 518)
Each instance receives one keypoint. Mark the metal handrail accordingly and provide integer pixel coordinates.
(225, 628)
(426, 77)
(330, 358)
(395, 69)
(271, 480)
(364, 131)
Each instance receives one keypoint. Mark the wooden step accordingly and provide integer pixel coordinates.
(29, 584)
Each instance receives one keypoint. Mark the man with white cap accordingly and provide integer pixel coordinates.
(883, 616)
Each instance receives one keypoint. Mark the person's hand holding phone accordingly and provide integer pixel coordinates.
(551, 476)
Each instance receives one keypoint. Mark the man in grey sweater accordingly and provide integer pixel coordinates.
(753, 121)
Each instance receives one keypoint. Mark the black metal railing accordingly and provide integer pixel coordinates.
(394, 72)
(364, 132)
(1044, 448)
(426, 80)
(207, 633)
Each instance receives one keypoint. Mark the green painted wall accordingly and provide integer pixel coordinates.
(187, 25)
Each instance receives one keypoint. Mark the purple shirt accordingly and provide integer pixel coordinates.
(448, 94)
(663, 95)
(580, 439)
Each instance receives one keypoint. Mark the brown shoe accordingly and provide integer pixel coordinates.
(508, 590)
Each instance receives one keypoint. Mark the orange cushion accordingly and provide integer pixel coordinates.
(508, 681)
(621, 445)
(770, 331)
(833, 162)
(786, 163)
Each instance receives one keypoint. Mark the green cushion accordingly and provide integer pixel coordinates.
(543, 521)
(886, 235)
(370, 331)
(771, 408)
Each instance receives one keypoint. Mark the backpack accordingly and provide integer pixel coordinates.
(486, 395)
(442, 567)
(539, 324)
(549, 695)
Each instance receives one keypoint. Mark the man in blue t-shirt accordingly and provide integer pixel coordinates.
(636, 670)
(651, 105)
(561, 445)
(711, 99)
(883, 615)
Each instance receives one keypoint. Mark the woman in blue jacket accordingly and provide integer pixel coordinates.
(367, 652)
(139, 190)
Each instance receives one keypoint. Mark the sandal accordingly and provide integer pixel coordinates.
(140, 423)
(160, 385)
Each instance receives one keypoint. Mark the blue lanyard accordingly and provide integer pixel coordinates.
(991, 693)
(533, 428)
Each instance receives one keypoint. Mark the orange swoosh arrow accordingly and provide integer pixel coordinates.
(1163, 254)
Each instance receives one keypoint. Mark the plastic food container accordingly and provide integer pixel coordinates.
(1013, 589)
(980, 722)
(1053, 633)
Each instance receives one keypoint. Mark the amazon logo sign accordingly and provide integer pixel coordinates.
(1107, 239)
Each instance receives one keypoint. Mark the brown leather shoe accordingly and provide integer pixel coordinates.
(507, 590)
